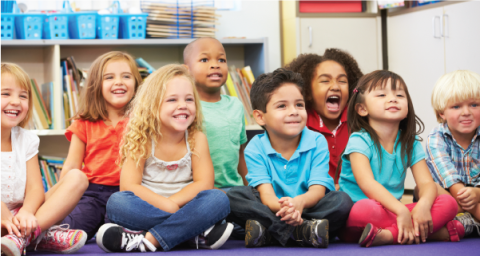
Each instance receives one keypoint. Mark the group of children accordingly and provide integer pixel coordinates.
(163, 163)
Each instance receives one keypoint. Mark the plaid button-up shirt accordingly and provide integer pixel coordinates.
(450, 163)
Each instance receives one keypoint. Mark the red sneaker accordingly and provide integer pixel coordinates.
(61, 239)
(455, 230)
(13, 245)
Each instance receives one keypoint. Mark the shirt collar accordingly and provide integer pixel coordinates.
(315, 122)
(307, 142)
(445, 130)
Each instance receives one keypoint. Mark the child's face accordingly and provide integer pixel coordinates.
(208, 64)
(385, 104)
(118, 85)
(464, 117)
(14, 102)
(286, 115)
(178, 109)
(330, 90)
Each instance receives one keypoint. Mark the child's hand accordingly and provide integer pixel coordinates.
(10, 227)
(405, 228)
(467, 198)
(292, 202)
(25, 222)
(422, 222)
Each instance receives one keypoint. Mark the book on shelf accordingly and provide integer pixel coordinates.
(142, 63)
(237, 86)
(46, 90)
(50, 168)
(41, 119)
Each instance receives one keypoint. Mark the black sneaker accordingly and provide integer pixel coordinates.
(114, 238)
(212, 238)
(256, 234)
(312, 233)
(468, 223)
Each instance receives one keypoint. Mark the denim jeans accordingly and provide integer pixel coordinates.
(245, 204)
(170, 229)
(238, 233)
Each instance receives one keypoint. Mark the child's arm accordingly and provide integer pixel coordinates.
(268, 197)
(363, 174)
(76, 153)
(467, 197)
(34, 198)
(131, 180)
(422, 219)
(202, 171)
(242, 165)
(7, 222)
(292, 208)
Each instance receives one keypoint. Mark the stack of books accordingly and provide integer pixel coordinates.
(50, 167)
(180, 19)
(239, 84)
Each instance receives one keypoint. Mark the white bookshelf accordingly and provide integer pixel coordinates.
(41, 60)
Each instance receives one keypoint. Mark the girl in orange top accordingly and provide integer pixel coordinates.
(96, 133)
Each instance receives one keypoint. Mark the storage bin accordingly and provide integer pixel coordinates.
(133, 26)
(107, 26)
(8, 26)
(81, 25)
(56, 26)
(29, 25)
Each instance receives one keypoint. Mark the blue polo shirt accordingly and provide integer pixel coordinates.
(308, 165)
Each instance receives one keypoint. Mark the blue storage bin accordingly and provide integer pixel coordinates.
(29, 26)
(81, 25)
(8, 26)
(107, 26)
(55, 26)
(133, 26)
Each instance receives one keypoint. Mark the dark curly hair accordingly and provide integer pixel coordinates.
(266, 84)
(306, 65)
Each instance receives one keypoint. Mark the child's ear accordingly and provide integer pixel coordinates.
(258, 115)
(186, 66)
(361, 109)
(442, 115)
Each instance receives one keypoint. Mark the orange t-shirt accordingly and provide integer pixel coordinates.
(101, 149)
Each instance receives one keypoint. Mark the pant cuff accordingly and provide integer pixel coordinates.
(160, 240)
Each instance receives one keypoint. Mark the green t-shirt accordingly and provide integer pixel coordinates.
(224, 123)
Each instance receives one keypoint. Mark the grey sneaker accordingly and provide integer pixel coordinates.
(256, 234)
(312, 233)
(468, 222)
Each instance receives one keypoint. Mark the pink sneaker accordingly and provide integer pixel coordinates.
(13, 245)
(61, 239)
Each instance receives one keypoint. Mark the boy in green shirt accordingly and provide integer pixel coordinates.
(223, 115)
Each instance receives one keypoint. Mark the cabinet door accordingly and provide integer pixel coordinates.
(418, 57)
(462, 36)
(358, 36)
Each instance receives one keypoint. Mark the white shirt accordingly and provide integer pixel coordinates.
(14, 166)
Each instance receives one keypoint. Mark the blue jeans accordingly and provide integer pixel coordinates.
(170, 229)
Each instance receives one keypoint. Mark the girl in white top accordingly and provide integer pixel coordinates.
(167, 177)
(26, 210)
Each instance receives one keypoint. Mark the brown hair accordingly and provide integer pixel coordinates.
(410, 127)
(306, 65)
(92, 105)
(25, 83)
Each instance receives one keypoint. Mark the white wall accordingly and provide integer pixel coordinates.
(255, 19)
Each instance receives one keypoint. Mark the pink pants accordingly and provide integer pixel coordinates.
(366, 211)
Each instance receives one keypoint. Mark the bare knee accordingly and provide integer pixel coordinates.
(77, 179)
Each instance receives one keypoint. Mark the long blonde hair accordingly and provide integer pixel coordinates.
(144, 124)
(92, 104)
(25, 83)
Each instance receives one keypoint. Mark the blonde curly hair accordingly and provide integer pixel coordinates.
(144, 123)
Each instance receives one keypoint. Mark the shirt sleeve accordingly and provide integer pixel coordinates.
(257, 167)
(32, 142)
(243, 133)
(78, 127)
(418, 153)
(320, 167)
(440, 162)
(360, 143)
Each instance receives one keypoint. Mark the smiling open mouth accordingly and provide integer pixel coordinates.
(119, 92)
(11, 112)
(183, 116)
(333, 103)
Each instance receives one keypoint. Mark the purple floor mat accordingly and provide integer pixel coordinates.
(469, 246)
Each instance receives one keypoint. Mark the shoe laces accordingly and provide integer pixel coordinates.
(203, 235)
(468, 222)
(132, 241)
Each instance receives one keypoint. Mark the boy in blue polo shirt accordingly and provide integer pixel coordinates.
(290, 194)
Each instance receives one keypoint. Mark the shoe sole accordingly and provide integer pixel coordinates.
(248, 236)
(223, 238)
(9, 248)
(101, 232)
(365, 233)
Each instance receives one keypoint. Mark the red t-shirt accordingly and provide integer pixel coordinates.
(336, 142)
(101, 149)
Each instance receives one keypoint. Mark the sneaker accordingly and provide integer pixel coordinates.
(13, 245)
(313, 233)
(468, 222)
(61, 239)
(256, 235)
(114, 238)
(213, 238)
